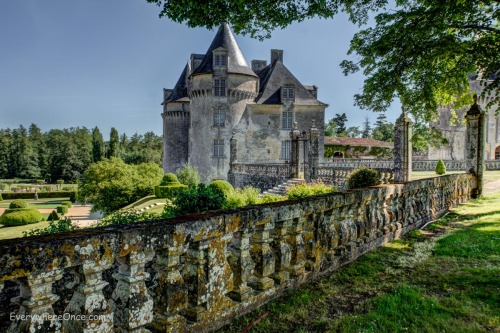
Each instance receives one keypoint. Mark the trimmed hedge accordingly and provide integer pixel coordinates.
(18, 204)
(222, 185)
(22, 216)
(53, 216)
(363, 177)
(1, 197)
(440, 168)
(169, 179)
(41, 195)
(67, 203)
(62, 209)
(169, 191)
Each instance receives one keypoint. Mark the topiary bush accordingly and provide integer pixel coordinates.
(222, 185)
(18, 204)
(169, 179)
(20, 216)
(67, 203)
(53, 216)
(363, 177)
(440, 168)
(169, 191)
(62, 209)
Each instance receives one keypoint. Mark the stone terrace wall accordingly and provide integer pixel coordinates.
(198, 272)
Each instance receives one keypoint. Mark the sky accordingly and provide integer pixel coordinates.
(105, 63)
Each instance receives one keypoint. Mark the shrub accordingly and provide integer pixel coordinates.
(54, 226)
(363, 177)
(67, 203)
(188, 175)
(222, 185)
(53, 216)
(196, 199)
(169, 179)
(62, 209)
(127, 216)
(241, 197)
(22, 216)
(18, 204)
(272, 198)
(3, 186)
(305, 190)
(1, 199)
(440, 168)
(169, 191)
(41, 195)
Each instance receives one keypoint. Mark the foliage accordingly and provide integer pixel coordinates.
(41, 195)
(304, 190)
(127, 216)
(169, 191)
(169, 179)
(363, 177)
(268, 198)
(381, 152)
(114, 143)
(3, 186)
(67, 203)
(196, 199)
(440, 168)
(1, 199)
(367, 128)
(18, 204)
(111, 184)
(60, 181)
(62, 209)
(240, 197)
(97, 145)
(222, 185)
(56, 225)
(336, 126)
(20, 216)
(53, 216)
(188, 175)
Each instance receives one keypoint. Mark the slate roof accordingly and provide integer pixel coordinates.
(339, 141)
(236, 61)
(180, 89)
(273, 77)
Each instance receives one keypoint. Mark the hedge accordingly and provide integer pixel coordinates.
(67, 203)
(18, 204)
(15, 217)
(363, 177)
(169, 191)
(62, 209)
(222, 185)
(53, 216)
(41, 195)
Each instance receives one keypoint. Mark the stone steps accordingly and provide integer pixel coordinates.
(281, 188)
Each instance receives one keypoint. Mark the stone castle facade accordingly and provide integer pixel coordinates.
(218, 97)
(452, 125)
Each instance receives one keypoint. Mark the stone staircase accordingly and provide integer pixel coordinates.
(281, 189)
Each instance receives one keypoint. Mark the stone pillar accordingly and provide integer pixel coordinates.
(402, 149)
(474, 145)
(313, 151)
(295, 153)
(233, 144)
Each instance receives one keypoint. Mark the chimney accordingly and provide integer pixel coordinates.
(258, 65)
(276, 55)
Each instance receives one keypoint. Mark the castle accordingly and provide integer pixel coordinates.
(451, 123)
(218, 97)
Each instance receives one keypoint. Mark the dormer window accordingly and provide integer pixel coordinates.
(287, 94)
(220, 87)
(220, 60)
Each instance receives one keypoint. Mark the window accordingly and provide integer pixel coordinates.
(220, 60)
(287, 120)
(286, 148)
(220, 87)
(287, 94)
(219, 148)
(219, 118)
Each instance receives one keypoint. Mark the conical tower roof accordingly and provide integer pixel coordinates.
(236, 62)
(180, 89)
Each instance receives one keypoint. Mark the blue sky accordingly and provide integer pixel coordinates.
(104, 63)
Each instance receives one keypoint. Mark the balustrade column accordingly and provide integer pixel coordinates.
(282, 252)
(197, 280)
(313, 151)
(133, 304)
(263, 257)
(474, 145)
(295, 151)
(296, 242)
(242, 265)
(35, 303)
(402, 149)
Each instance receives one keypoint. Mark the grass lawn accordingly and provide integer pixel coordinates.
(488, 175)
(445, 278)
(147, 201)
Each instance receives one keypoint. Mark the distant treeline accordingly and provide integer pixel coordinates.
(67, 153)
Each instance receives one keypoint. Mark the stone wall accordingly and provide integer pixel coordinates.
(198, 272)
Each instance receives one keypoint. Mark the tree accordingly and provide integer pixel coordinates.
(421, 51)
(188, 175)
(353, 132)
(383, 131)
(367, 128)
(114, 143)
(336, 125)
(97, 145)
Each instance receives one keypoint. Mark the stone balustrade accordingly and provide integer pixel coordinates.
(262, 176)
(196, 273)
(337, 176)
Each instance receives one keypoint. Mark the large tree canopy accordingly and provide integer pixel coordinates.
(421, 51)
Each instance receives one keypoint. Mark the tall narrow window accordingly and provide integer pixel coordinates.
(287, 120)
(220, 87)
(220, 60)
(287, 94)
(286, 148)
(219, 148)
(219, 118)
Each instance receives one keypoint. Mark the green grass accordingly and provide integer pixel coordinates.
(144, 202)
(488, 175)
(445, 278)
